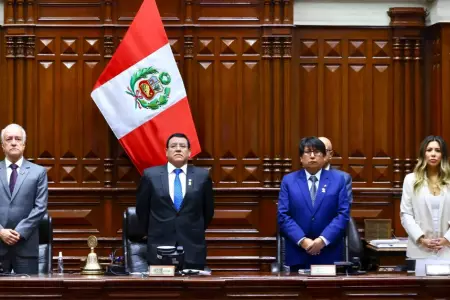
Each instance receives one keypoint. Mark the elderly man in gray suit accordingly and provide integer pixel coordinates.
(23, 203)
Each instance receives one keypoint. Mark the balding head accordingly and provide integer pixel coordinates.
(329, 150)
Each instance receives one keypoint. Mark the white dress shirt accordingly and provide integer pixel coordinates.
(310, 182)
(308, 175)
(171, 171)
(9, 170)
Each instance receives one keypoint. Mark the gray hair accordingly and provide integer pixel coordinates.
(14, 126)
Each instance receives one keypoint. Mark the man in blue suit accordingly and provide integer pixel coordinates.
(313, 210)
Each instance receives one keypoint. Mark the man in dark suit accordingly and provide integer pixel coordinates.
(23, 203)
(327, 166)
(175, 204)
(313, 210)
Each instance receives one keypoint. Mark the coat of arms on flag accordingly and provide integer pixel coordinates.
(146, 84)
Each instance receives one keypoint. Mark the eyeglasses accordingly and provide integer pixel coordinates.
(316, 153)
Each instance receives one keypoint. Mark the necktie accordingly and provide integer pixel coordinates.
(13, 178)
(313, 189)
(177, 190)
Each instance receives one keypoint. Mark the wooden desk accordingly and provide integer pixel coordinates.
(386, 256)
(377, 286)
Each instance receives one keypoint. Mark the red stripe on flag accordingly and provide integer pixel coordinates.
(145, 35)
(146, 145)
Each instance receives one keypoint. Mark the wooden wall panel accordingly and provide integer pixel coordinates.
(345, 94)
(256, 85)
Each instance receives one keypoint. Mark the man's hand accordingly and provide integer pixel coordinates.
(316, 246)
(306, 243)
(9, 236)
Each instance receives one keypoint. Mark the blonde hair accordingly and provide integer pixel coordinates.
(421, 166)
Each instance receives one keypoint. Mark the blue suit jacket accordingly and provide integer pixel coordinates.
(297, 218)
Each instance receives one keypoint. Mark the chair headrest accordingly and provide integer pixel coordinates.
(134, 232)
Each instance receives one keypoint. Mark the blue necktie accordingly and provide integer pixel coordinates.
(177, 190)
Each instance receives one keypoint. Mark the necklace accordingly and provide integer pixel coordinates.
(434, 187)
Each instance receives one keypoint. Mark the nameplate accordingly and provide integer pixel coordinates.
(437, 270)
(323, 270)
(161, 271)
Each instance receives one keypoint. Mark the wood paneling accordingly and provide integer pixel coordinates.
(256, 85)
(245, 285)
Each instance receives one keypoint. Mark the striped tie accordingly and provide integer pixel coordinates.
(313, 189)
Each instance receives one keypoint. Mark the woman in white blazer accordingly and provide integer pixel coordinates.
(425, 204)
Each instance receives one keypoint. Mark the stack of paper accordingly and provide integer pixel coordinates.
(389, 243)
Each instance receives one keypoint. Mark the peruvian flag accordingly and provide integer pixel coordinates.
(141, 93)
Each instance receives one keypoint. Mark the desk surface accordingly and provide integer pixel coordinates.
(245, 286)
(386, 249)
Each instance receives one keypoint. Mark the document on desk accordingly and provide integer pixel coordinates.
(390, 243)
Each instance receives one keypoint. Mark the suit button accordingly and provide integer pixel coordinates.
(312, 219)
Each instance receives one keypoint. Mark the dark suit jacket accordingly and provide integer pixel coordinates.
(23, 210)
(164, 225)
(297, 218)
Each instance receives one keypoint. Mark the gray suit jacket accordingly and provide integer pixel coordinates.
(23, 210)
(348, 182)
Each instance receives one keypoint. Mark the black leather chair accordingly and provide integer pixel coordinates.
(353, 248)
(45, 245)
(134, 244)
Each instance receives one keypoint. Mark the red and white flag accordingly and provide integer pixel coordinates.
(141, 93)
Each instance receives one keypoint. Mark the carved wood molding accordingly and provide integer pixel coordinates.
(407, 36)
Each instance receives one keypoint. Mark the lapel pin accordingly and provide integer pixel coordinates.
(324, 188)
(190, 182)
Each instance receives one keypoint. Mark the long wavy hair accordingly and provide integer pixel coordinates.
(421, 166)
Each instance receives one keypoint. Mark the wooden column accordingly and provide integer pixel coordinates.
(419, 112)
(409, 109)
(19, 84)
(406, 29)
(277, 112)
(287, 12)
(287, 61)
(108, 12)
(276, 11)
(267, 15)
(30, 12)
(267, 112)
(19, 12)
(188, 13)
(398, 113)
(108, 164)
(9, 12)
(10, 55)
(31, 111)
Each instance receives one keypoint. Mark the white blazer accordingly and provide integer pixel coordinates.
(416, 217)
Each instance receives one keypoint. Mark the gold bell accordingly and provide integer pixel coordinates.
(92, 266)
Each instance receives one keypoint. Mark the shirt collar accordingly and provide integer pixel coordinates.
(171, 168)
(317, 175)
(327, 167)
(18, 163)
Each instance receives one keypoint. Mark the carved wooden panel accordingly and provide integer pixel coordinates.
(344, 92)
